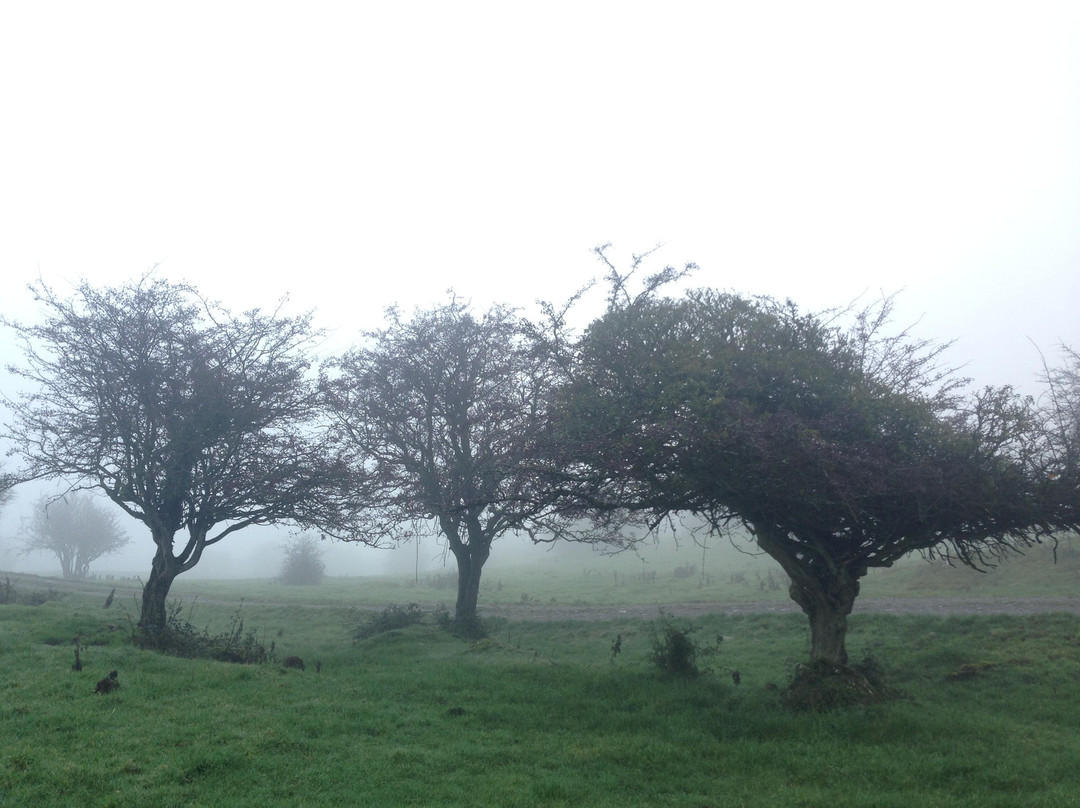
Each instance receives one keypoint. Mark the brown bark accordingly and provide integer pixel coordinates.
(823, 589)
(826, 603)
(163, 572)
(470, 561)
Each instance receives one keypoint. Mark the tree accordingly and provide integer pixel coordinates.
(303, 564)
(7, 483)
(440, 415)
(1061, 410)
(838, 449)
(76, 530)
(187, 417)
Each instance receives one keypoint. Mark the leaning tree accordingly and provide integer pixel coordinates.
(439, 416)
(75, 529)
(838, 448)
(188, 417)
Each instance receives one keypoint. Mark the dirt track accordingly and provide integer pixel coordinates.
(929, 606)
(538, 611)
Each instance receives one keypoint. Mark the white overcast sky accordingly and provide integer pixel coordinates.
(359, 154)
(354, 155)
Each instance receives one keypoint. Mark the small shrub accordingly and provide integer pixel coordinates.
(675, 653)
(442, 617)
(35, 597)
(442, 580)
(181, 638)
(303, 563)
(392, 617)
(686, 571)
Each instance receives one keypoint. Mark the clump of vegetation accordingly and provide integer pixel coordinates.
(442, 580)
(303, 564)
(686, 571)
(466, 628)
(34, 597)
(391, 618)
(7, 592)
(822, 685)
(675, 653)
(181, 638)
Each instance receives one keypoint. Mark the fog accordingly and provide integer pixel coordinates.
(356, 156)
(256, 552)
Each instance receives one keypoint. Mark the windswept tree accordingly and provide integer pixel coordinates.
(839, 449)
(194, 421)
(440, 415)
(75, 529)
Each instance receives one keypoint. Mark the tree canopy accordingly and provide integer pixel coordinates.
(838, 448)
(186, 416)
(1061, 410)
(440, 415)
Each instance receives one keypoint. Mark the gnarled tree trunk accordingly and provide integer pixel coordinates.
(824, 590)
(827, 604)
(470, 562)
(164, 570)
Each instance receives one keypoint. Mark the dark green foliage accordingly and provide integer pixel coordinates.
(675, 653)
(839, 449)
(439, 416)
(303, 563)
(182, 639)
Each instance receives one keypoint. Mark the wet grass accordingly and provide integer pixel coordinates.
(534, 715)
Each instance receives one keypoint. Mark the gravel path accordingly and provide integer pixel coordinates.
(540, 611)
(930, 606)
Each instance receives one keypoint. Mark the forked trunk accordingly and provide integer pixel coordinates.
(827, 604)
(470, 561)
(468, 590)
(153, 617)
(824, 589)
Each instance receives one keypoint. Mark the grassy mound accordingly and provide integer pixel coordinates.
(825, 686)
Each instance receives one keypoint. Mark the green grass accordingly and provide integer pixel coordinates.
(730, 577)
(535, 715)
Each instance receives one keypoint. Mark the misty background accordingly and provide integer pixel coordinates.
(356, 156)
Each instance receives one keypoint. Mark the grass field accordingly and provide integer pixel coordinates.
(538, 714)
